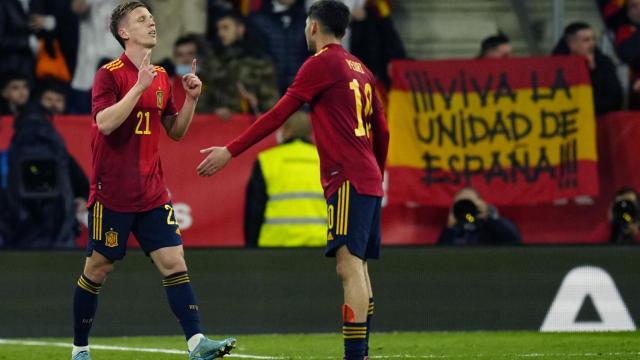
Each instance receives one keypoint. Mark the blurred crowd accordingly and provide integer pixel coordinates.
(248, 51)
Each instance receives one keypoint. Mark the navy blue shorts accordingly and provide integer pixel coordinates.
(353, 220)
(109, 230)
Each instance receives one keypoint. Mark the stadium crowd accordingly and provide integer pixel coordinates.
(248, 53)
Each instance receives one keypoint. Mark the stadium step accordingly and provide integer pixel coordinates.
(453, 29)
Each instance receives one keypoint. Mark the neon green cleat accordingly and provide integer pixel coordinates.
(82, 355)
(209, 349)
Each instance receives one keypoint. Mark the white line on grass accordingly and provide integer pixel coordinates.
(123, 348)
(399, 356)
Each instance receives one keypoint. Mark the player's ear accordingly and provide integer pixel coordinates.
(123, 33)
(314, 27)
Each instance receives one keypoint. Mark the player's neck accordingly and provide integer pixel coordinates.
(136, 54)
(324, 42)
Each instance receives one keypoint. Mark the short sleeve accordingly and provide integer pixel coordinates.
(104, 92)
(312, 79)
(170, 109)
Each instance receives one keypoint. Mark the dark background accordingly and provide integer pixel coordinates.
(296, 290)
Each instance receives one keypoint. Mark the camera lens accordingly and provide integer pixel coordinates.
(465, 211)
(625, 211)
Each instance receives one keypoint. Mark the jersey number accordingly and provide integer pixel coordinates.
(143, 116)
(170, 220)
(368, 109)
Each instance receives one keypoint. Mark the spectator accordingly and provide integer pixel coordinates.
(18, 44)
(579, 39)
(238, 78)
(176, 18)
(53, 96)
(279, 26)
(495, 47)
(96, 46)
(374, 39)
(285, 204)
(15, 94)
(185, 50)
(474, 222)
(627, 42)
(57, 28)
(624, 216)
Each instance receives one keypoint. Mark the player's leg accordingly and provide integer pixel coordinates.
(159, 235)
(373, 252)
(107, 243)
(371, 307)
(349, 220)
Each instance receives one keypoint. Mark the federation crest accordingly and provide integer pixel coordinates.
(111, 239)
(159, 98)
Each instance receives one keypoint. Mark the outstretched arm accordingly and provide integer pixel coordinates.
(266, 124)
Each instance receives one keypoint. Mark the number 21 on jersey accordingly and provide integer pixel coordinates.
(143, 123)
(354, 85)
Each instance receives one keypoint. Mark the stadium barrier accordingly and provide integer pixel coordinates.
(210, 210)
(296, 290)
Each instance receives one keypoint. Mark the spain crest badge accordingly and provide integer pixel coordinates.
(111, 239)
(159, 98)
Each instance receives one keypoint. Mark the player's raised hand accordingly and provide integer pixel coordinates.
(191, 83)
(217, 159)
(146, 72)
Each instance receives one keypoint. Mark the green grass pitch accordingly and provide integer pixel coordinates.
(406, 345)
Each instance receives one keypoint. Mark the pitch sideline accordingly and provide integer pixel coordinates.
(125, 348)
(261, 357)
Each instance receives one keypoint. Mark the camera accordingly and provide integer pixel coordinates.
(466, 213)
(624, 212)
(38, 178)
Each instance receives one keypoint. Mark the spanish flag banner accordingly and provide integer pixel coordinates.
(520, 131)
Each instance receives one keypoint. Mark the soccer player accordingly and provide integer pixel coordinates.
(131, 104)
(352, 138)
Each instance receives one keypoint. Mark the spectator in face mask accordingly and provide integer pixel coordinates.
(185, 49)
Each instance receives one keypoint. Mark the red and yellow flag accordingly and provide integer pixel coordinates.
(521, 131)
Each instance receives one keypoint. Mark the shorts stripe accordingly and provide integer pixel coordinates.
(97, 221)
(339, 212)
(346, 212)
(100, 223)
(343, 209)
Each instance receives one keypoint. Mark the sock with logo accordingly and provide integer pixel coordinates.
(354, 335)
(85, 304)
(183, 302)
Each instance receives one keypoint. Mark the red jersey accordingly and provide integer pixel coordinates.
(347, 117)
(126, 171)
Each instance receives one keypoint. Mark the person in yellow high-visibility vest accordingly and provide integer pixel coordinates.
(285, 205)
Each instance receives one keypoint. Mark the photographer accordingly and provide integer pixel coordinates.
(623, 216)
(474, 222)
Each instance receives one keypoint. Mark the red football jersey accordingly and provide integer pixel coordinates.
(126, 171)
(344, 112)
(347, 117)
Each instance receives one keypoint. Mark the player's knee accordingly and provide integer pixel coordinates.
(343, 270)
(98, 272)
(173, 265)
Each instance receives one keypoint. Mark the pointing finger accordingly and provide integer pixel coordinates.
(194, 65)
(146, 59)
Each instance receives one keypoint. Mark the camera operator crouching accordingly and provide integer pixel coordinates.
(624, 217)
(474, 222)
